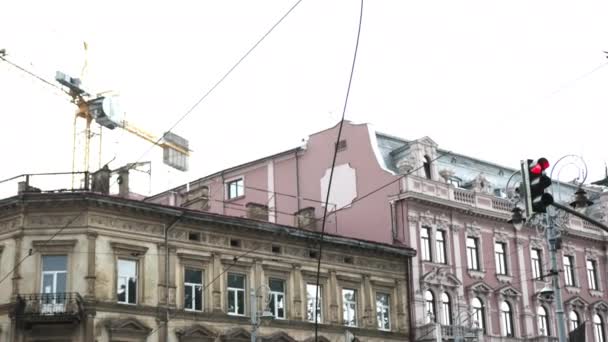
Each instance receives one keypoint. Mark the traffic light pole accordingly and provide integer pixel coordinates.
(551, 233)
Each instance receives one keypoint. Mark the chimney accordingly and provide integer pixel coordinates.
(123, 182)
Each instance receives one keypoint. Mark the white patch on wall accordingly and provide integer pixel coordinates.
(343, 187)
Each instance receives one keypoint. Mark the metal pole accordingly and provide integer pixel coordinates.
(254, 323)
(551, 239)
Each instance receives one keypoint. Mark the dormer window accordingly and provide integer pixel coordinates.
(427, 167)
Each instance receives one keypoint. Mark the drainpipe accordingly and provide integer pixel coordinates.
(171, 226)
(298, 181)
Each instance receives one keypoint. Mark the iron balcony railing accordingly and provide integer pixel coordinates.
(62, 306)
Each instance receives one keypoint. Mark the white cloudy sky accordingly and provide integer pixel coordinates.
(492, 79)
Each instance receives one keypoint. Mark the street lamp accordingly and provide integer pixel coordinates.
(256, 316)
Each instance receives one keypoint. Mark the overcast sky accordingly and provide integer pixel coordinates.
(489, 79)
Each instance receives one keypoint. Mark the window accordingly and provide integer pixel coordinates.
(235, 188)
(543, 322)
(592, 274)
(446, 309)
(311, 295)
(501, 258)
(478, 313)
(427, 167)
(383, 311)
(236, 294)
(598, 328)
(277, 297)
(429, 306)
(473, 253)
(349, 307)
(506, 319)
(568, 270)
(537, 264)
(440, 246)
(193, 290)
(54, 280)
(455, 181)
(127, 281)
(425, 244)
(574, 320)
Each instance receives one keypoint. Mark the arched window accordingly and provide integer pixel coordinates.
(429, 306)
(574, 320)
(598, 328)
(427, 167)
(543, 322)
(478, 313)
(506, 319)
(446, 308)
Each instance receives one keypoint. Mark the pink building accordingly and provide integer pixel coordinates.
(475, 274)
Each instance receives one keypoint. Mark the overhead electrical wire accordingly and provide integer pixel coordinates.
(331, 174)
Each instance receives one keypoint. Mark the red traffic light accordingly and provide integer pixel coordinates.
(541, 165)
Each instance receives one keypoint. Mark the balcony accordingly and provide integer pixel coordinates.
(49, 308)
(414, 186)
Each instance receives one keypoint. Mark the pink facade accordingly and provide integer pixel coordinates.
(452, 198)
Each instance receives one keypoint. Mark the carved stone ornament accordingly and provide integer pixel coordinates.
(236, 335)
(126, 329)
(126, 225)
(447, 174)
(427, 218)
(480, 288)
(592, 254)
(412, 216)
(473, 230)
(501, 235)
(600, 307)
(279, 336)
(440, 277)
(568, 249)
(509, 292)
(576, 302)
(481, 184)
(442, 221)
(406, 165)
(196, 333)
(536, 243)
(6, 226)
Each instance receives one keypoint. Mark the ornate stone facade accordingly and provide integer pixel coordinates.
(68, 281)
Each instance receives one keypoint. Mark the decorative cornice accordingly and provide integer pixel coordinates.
(123, 248)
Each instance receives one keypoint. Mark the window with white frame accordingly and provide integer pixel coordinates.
(277, 297)
(425, 243)
(569, 270)
(473, 253)
(312, 291)
(126, 288)
(446, 307)
(383, 311)
(574, 320)
(543, 322)
(500, 249)
(235, 188)
(54, 282)
(506, 319)
(236, 294)
(193, 290)
(478, 313)
(429, 306)
(537, 264)
(598, 328)
(440, 246)
(592, 274)
(349, 307)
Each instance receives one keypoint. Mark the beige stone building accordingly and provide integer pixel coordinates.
(80, 266)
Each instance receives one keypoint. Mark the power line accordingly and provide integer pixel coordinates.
(208, 92)
(331, 174)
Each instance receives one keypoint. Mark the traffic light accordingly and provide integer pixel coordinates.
(535, 181)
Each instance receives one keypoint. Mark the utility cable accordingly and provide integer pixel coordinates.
(208, 92)
(33, 74)
(331, 174)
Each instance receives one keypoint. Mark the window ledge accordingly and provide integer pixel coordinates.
(573, 289)
(478, 274)
(235, 198)
(596, 293)
(504, 278)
